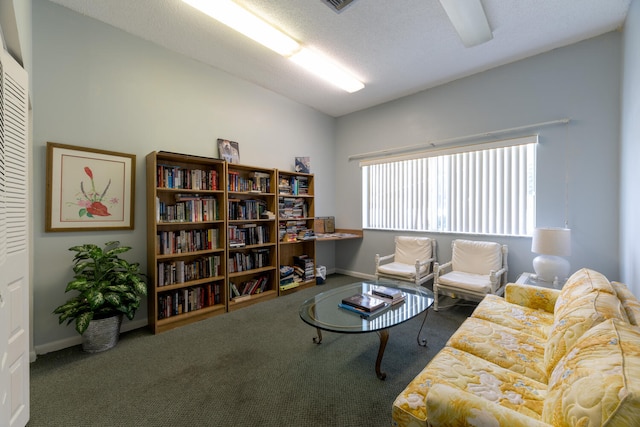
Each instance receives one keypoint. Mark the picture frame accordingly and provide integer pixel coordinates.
(229, 150)
(89, 189)
(303, 164)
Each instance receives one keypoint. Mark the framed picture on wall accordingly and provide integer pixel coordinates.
(229, 150)
(89, 189)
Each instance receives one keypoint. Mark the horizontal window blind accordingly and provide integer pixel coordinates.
(485, 191)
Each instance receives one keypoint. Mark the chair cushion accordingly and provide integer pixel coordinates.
(596, 382)
(409, 249)
(466, 281)
(476, 257)
(629, 301)
(401, 270)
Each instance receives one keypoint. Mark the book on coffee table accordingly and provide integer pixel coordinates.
(392, 295)
(364, 302)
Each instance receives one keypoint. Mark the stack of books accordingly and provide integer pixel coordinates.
(364, 304)
(391, 295)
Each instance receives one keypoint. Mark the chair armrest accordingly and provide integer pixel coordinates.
(381, 258)
(439, 269)
(534, 297)
(448, 406)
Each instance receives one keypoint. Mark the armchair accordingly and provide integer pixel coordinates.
(412, 261)
(475, 270)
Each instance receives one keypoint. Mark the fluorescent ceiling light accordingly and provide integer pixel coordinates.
(469, 20)
(325, 69)
(250, 25)
(256, 29)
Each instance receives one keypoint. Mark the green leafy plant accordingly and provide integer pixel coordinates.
(107, 284)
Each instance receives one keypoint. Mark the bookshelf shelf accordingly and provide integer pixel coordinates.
(296, 237)
(252, 250)
(186, 255)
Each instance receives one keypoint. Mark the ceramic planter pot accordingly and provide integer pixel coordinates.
(102, 334)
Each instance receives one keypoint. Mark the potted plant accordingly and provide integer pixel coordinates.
(108, 287)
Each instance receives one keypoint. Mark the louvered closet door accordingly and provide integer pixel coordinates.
(14, 244)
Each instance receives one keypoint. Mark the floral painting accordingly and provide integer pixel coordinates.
(89, 189)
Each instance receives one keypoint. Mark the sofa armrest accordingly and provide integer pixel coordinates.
(450, 407)
(440, 269)
(534, 297)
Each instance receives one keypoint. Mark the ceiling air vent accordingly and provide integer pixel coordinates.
(337, 5)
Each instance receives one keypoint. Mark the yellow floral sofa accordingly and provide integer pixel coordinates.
(537, 357)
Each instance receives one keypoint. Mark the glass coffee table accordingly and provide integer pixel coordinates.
(323, 313)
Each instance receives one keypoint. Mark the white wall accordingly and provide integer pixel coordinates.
(95, 86)
(580, 82)
(630, 155)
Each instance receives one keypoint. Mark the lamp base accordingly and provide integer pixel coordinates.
(551, 268)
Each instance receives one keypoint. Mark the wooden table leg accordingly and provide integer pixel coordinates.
(318, 339)
(384, 337)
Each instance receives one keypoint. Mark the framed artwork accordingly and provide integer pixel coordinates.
(229, 150)
(89, 189)
(303, 164)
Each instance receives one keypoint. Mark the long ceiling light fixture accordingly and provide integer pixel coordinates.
(469, 20)
(239, 19)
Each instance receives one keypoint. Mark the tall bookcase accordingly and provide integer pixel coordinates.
(252, 249)
(296, 239)
(186, 230)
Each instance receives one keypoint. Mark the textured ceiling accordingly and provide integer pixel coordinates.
(396, 47)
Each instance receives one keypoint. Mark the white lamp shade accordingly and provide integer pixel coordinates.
(551, 241)
(552, 244)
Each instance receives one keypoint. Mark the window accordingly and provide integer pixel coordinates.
(484, 189)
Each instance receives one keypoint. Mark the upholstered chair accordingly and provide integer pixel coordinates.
(475, 270)
(412, 260)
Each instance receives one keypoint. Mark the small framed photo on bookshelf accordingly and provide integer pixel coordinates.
(229, 150)
(303, 165)
(89, 189)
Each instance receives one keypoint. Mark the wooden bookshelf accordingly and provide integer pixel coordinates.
(296, 236)
(186, 239)
(252, 250)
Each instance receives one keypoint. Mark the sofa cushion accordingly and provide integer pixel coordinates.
(629, 301)
(514, 350)
(576, 317)
(497, 310)
(467, 372)
(582, 282)
(451, 407)
(596, 382)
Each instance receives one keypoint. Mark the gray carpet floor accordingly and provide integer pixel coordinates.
(253, 367)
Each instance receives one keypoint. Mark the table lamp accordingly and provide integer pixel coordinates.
(551, 244)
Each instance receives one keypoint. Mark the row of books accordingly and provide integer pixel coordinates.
(290, 207)
(186, 300)
(304, 267)
(293, 185)
(246, 209)
(374, 302)
(245, 261)
(291, 231)
(247, 234)
(249, 287)
(170, 176)
(184, 241)
(181, 271)
(259, 182)
(191, 209)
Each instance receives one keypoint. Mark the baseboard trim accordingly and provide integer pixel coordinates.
(355, 274)
(77, 340)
